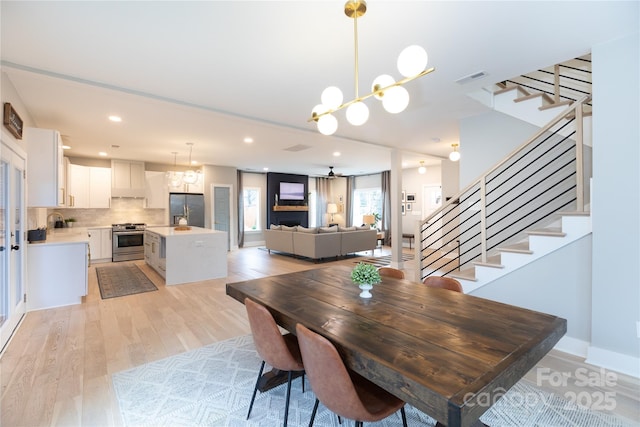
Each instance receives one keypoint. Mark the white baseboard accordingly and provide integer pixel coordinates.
(619, 362)
(253, 244)
(573, 346)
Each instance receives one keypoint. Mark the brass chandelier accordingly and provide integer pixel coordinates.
(412, 64)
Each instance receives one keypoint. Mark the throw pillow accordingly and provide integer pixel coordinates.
(287, 228)
(363, 227)
(311, 230)
(275, 227)
(346, 229)
(332, 229)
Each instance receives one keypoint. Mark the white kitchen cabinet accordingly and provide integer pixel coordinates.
(78, 186)
(154, 252)
(45, 168)
(156, 191)
(89, 187)
(100, 246)
(99, 188)
(127, 178)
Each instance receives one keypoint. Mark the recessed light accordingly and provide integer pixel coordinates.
(116, 119)
(336, 154)
(265, 169)
(102, 153)
(66, 147)
(248, 140)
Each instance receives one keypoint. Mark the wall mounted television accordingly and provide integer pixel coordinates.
(291, 191)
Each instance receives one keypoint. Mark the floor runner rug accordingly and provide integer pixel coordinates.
(122, 279)
(212, 386)
(382, 261)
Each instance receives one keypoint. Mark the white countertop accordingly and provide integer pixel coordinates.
(171, 231)
(64, 236)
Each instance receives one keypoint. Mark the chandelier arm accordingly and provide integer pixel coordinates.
(316, 116)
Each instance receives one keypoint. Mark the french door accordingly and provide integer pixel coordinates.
(12, 246)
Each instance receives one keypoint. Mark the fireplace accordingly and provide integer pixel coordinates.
(289, 223)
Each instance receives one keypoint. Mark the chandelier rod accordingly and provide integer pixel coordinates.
(316, 116)
(355, 42)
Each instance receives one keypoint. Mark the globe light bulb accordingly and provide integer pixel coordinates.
(454, 156)
(327, 124)
(380, 82)
(395, 99)
(190, 177)
(319, 109)
(357, 113)
(422, 169)
(331, 97)
(412, 60)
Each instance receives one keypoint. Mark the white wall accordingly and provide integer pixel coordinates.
(412, 183)
(486, 139)
(221, 175)
(616, 198)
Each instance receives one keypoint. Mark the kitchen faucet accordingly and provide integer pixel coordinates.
(55, 214)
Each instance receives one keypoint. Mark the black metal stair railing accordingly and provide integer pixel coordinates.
(545, 175)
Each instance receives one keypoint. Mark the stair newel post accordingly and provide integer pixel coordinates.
(579, 157)
(483, 218)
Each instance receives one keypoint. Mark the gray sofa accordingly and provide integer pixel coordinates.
(321, 242)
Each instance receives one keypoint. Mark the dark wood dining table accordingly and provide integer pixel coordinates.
(447, 354)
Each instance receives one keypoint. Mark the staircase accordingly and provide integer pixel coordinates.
(532, 203)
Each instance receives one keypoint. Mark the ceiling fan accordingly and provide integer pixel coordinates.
(332, 174)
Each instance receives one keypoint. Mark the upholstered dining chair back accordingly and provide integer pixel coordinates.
(391, 272)
(443, 282)
(342, 391)
(279, 351)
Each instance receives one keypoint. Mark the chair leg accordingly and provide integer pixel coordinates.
(255, 389)
(313, 413)
(286, 405)
(303, 381)
(404, 417)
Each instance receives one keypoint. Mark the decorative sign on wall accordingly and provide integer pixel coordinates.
(12, 121)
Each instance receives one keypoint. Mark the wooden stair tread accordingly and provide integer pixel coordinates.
(518, 248)
(573, 213)
(466, 274)
(546, 98)
(487, 264)
(555, 104)
(550, 231)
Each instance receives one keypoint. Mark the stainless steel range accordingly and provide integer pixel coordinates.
(128, 241)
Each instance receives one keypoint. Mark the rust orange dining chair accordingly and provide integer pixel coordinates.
(443, 282)
(345, 392)
(279, 351)
(391, 272)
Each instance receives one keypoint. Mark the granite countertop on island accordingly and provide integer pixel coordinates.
(166, 231)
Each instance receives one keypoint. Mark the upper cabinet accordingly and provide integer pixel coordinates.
(88, 187)
(127, 178)
(157, 192)
(45, 168)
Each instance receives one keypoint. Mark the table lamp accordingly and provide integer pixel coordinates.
(332, 208)
(368, 220)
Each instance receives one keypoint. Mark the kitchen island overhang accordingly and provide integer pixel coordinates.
(185, 256)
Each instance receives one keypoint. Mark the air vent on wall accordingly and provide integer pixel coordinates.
(471, 77)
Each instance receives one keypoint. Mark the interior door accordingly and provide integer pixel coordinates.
(221, 210)
(12, 246)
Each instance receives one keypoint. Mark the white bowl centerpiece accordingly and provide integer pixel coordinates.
(365, 276)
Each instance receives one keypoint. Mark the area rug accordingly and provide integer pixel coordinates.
(122, 279)
(383, 260)
(212, 386)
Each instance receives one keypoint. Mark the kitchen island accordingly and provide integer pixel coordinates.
(183, 256)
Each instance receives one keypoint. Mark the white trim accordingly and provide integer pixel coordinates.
(572, 346)
(619, 362)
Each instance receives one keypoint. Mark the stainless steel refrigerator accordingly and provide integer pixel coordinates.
(188, 206)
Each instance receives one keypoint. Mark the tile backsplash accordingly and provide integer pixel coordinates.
(122, 210)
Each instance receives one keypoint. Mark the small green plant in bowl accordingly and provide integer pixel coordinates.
(365, 276)
(69, 222)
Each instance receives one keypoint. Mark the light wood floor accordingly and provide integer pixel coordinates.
(57, 368)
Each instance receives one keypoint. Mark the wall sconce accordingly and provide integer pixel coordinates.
(454, 156)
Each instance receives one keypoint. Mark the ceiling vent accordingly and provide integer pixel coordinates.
(471, 77)
(296, 148)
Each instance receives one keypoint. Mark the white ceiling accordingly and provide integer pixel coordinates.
(215, 72)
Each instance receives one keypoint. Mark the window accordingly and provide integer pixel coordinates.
(366, 201)
(251, 197)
